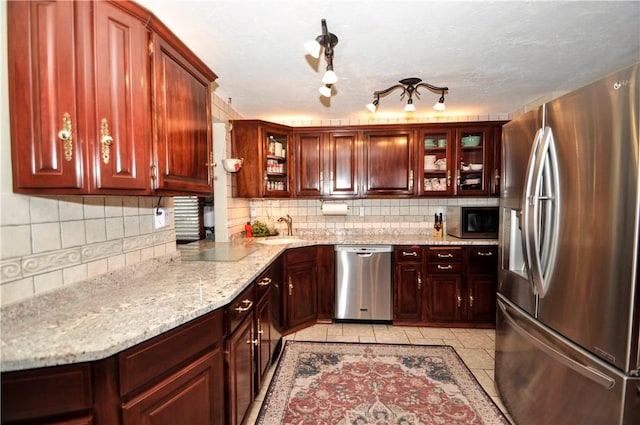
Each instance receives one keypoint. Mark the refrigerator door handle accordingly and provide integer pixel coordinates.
(525, 211)
(586, 371)
(541, 211)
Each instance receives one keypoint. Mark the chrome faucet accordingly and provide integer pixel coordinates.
(287, 219)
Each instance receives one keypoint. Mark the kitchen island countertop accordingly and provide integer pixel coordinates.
(100, 317)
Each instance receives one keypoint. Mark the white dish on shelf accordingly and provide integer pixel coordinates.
(471, 181)
(476, 167)
(431, 167)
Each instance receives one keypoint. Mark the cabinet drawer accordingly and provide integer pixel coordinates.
(44, 392)
(151, 359)
(298, 255)
(453, 268)
(445, 255)
(263, 283)
(411, 254)
(241, 307)
(483, 260)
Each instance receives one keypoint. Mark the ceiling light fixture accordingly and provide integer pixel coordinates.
(327, 41)
(409, 87)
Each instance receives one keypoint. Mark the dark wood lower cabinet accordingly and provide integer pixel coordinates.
(186, 397)
(408, 300)
(240, 372)
(447, 286)
(301, 283)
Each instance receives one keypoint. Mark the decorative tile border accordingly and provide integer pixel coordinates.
(12, 269)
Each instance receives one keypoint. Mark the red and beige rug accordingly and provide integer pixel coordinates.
(347, 384)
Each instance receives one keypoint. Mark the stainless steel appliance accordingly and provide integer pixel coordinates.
(568, 327)
(363, 282)
(473, 222)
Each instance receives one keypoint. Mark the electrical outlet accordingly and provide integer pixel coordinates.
(161, 218)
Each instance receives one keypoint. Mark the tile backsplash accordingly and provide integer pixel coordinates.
(49, 242)
(401, 216)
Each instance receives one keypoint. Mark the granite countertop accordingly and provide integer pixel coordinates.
(94, 319)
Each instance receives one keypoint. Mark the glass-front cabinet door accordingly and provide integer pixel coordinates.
(436, 162)
(276, 169)
(474, 149)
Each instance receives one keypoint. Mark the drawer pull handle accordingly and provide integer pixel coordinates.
(409, 254)
(248, 304)
(265, 281)
(485, 254)
(445, 255)
(448, 267)
(106, 141)
(66, 136)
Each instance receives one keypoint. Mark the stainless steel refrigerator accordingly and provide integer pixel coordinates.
(567, 331)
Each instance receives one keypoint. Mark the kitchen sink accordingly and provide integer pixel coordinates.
(279, 241)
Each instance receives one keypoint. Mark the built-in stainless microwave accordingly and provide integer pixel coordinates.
(472, 222)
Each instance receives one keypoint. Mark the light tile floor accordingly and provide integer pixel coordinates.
(476, 347)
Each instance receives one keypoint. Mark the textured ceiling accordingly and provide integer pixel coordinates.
(495, 57)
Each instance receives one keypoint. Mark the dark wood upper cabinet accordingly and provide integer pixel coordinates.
(42, 96)
(343, 172)
(371, 161)
(326, 164)
(183, 140)
(310, 158)
(80, 93)
(388, 166)
(470, 180)
(266, 172)
(121, 125)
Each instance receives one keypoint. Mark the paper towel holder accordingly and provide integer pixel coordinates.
(334, 208)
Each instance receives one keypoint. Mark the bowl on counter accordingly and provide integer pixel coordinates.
(469, 141)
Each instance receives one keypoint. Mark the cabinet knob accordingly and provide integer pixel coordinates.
(66, 136)
(290, 287)
(419, 281)
(254, 342)
(106, 141)
(470, 297)
(459, 298)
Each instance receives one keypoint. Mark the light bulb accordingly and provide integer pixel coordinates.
(439, 106)
(313, 48)
(410, 107)
(325, 91)
(372, 107)
(330, 77)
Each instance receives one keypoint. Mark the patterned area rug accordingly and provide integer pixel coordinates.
(347, 384)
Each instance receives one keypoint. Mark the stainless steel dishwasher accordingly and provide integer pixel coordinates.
(363, 282)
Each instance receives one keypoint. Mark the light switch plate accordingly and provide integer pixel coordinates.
(160, 218)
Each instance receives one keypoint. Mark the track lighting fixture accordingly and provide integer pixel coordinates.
(409, 87)
(327, 41)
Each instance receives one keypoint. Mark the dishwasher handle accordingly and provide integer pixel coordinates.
(363, 250)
